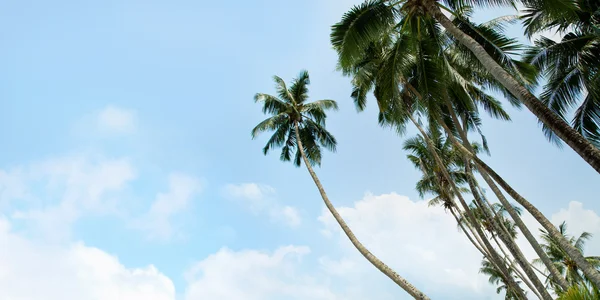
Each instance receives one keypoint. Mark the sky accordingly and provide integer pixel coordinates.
(127, 170)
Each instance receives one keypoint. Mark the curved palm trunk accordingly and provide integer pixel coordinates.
(487, 255)
(409, 288)
(476, 244)
(576, 141)
(494, 255)
(519, 273)
(587, 268)
(504, 237)
(506, 255)
(513, 214)
(511, 245)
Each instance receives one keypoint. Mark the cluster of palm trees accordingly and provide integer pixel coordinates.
(438, 74)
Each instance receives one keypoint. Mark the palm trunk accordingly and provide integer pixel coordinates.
(494, 255)
(506, 255)
(477, 245)
(506, 239)
(576, 141)
(486, 254)
(588, 269)
(511, 211)
(409, 288)
(519, 273)
(574, 253)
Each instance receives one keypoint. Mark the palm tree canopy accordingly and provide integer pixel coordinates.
(570, 65)
(500, 211)
(289, 107)
(562, 261)
(432, 180)
(405, 57)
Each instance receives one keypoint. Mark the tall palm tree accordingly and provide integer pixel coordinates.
(434, 182)
(299, 128)
(563, 262)
(396, 68)
(387, 65)
(571, 65)
(510, 227)
(408, 64)
(366, 22)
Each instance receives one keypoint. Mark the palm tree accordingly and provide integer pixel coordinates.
(299, 127)
(388, 66)
(401, 66)
(495, 278)
(510, 227)
(562, 261)
(571, 65)
(434, 182)
(367, 22)
(404, 66)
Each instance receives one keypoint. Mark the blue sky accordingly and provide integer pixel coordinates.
(126, 157)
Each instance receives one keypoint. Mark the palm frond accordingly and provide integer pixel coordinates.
(587, 119)
(278, 138)
(271, 104)
(358, 27)
(269, 124)
(299, 87)
(283, 91)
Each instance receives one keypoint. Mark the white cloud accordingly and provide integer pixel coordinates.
(49, 196)
(113, 119)
(158, 221)
(288, 215)
(256, 196)
(255, 275)
(31, 270)
(259, 199)
(579, 220)
(56, 192)
(12, 186)
(421, 243)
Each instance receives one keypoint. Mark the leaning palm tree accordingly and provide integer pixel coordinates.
(366, 22)
(409, 65)
(499, 212)
(392, 71)
(434, 182)
(299, 128)
(571, 65)
(562, 261)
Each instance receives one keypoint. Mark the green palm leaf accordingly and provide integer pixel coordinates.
(293, 109)
(358, 27)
